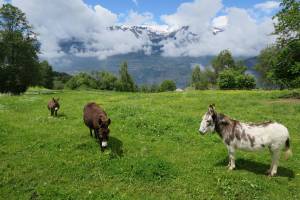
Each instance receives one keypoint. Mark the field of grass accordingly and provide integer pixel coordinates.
(155, 150)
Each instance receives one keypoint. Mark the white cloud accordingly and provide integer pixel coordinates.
(135, 2)
(243, 35)
(267, 6)
(57, 20)
(1, 2)
(197, 14)
(220, 22)
(134, 18)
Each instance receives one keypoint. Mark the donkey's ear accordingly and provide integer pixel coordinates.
(211, 108)
(57, 99)
(53, 99)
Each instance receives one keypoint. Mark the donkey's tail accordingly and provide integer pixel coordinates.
(288, 151)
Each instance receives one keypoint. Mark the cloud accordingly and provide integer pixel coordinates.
(57, 21)
(197, 14)
(267, 6)
(135, 2)
(243, 35)
(220, 22)
(1, 2)
(74, 20)
(134, 18)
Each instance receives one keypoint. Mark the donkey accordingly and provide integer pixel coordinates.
(53, 106)
(247, 136)
(95, 118)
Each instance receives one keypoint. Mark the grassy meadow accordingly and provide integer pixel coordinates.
(155, 150)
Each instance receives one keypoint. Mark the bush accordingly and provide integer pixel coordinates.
(81, 81)
(149, 88)
(227, 80)
(58, 85)
(154, 88)
(202, 85)
(60, 79)
(167, 85)
(245, 82)
(106, 81)
(230, 79)
(145, 88)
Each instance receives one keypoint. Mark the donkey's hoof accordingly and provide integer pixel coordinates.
(272, 174)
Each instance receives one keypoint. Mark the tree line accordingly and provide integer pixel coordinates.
(224, 73)
(104, 80)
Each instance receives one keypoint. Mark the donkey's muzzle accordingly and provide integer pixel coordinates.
(104, 144)
(201, 132)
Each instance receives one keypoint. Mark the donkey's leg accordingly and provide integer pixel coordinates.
(55, 112)
(271, 166)
(91, 132)
(52, 112)
(96, 132)
(231, 153)
(275, 161)
(100, 139)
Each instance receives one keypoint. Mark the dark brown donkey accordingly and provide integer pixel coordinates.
(53, 106)
(95, 118)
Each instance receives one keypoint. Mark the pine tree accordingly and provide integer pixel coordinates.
(196, 75)
(125, 82)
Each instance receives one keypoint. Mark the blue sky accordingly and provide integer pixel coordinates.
(161, 7)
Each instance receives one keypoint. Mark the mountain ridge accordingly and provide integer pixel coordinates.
(145, 68)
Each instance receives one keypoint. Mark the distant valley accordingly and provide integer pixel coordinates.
(145, 68)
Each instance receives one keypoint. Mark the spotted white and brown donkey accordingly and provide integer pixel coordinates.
(247, 136)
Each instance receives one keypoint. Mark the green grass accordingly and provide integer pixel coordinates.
(155, 150)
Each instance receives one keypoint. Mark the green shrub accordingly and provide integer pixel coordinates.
(231, 79)
(227, 80)
(167, 85)
(106, 80)
(245, 81)
(58, 85)
(145, 88)
(81, 81)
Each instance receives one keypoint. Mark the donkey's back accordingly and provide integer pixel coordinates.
(269, 134)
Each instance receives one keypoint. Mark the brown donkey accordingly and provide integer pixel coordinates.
(95, 118)
(53, 106)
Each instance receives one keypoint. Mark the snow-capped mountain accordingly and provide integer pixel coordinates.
(154, 35)
(145, 68)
